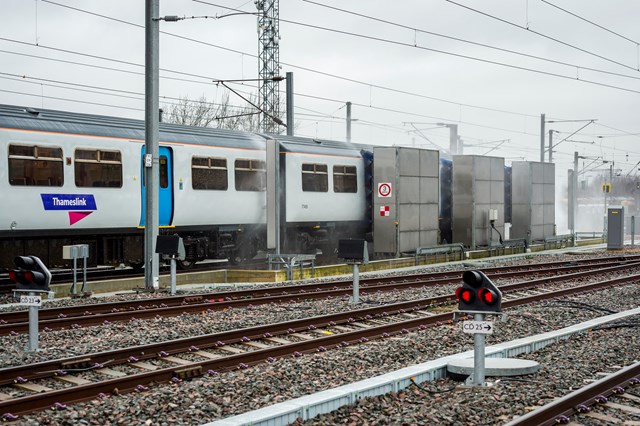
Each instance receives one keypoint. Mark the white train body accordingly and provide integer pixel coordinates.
(72, 178)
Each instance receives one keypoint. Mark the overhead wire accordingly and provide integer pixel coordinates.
(444, 52)
(322, 73)
(541, 34)
(303, 95)
(590, 22)
(299, 67)
(459, 55)
(488, 46)
(360, 82)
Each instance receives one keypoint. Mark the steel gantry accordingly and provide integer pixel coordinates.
(269, 64)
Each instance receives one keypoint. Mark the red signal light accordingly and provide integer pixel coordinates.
(487, 296)
(465, 295)
(12, 276)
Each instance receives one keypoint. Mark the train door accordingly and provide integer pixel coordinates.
(165, 187)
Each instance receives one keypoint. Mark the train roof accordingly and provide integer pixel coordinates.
(55, 121)
(46, 120)
(316, 146)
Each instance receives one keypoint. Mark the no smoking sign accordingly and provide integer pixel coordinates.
(384, 190)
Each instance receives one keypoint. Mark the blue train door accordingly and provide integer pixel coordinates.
(165, 189)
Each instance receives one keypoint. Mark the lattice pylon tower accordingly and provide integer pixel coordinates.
(268, 63)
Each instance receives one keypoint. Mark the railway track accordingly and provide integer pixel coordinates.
(94, 314)
(580, 402)
(107, 273)
(58, 382)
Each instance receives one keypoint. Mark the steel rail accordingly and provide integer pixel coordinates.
(559, 411)
(62, 316)
(211, 305)
(238, 361)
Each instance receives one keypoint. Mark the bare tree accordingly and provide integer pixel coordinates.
(223, 115)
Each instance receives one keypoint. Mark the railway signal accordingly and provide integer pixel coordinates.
(32, 279)
(31, 274)
(478, 293)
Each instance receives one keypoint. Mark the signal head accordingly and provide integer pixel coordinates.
(478, 293)
(31, 274)
(472, 278)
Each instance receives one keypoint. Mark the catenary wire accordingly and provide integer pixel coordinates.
(308, 69)
(591, 22)
(541, 34)
(385, 21)
(326, 74)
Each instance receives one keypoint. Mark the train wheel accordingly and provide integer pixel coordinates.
(185, 264)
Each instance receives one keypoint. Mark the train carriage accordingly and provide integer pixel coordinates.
(71, 178)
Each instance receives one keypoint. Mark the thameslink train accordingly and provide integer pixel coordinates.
(69, 178)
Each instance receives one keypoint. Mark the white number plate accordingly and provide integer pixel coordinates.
(30, 300)
(479, 327)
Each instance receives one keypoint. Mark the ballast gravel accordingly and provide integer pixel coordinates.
(223, 394)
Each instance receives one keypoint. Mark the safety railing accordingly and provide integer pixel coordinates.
(499, 249)
(562, 240)
(292, 261)
(445, 249)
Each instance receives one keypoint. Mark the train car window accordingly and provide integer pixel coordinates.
(164, 172)
(315, 178)
(98, 168)
(345, 179)
(32, 165)
(251, 175)
(209, 173)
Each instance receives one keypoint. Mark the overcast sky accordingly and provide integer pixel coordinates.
(399, 79)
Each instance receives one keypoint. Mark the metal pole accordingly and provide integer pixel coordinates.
(33, 327)
(633, 231)
(453, 138)
(152, 135)
(84, 272)
(605, 225)
(550, 146)
(478, 355)
(290, 104)
(542, 138)
(356, 284)
(348, 121)
(574, 197)
(74, 250)
(173, 275)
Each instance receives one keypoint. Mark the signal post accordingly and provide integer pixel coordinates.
(32, 279)
(480, 297)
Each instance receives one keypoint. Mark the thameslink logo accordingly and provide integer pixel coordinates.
(78, 206)
(76, 202)
(68, 201)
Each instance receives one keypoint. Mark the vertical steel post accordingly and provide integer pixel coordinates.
(85, 254)
(74, 253)
(290, 104)
(33, 327)
(542, 138)
(574, 197)
(356, 284)
(478, 355)
(348, 121)
(633, 231)
(173, 275)
(550, 146)
(152, 135)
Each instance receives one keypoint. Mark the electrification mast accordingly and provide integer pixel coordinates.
(268, 63)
